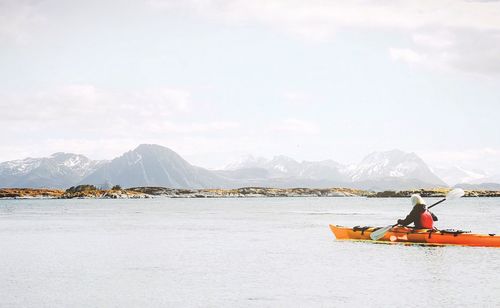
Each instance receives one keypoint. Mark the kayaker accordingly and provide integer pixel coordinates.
(419, 215)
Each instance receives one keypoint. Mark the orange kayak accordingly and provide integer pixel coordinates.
(418, 236)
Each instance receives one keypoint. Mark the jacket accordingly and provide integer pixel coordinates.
(414, 216)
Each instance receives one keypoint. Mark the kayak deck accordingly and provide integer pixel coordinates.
(418, 236)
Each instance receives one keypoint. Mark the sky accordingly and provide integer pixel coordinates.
(219, 80)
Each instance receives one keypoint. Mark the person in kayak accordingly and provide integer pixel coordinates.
(419, 215)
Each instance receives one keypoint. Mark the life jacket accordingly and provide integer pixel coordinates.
(426, 221)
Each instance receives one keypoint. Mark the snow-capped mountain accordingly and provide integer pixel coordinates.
(487, 182)
(481, 186)
(489, 179)
(247, 162)
(278, 166)
(379, 170)
(457, 175)
(60, 170)
(394, 170)
(325, 169)
(153, 165)
(393, 164)
(283, 166)
(283, 171)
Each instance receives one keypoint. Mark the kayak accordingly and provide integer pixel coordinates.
(407, 235)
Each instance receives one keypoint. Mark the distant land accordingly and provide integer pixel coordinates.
(151, 165)
(92, 192)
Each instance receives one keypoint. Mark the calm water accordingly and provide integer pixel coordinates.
(236, 253)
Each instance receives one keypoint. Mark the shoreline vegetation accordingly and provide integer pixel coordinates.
(92, 192)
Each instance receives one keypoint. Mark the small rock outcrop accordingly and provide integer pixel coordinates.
(26, 193)
(91, 191)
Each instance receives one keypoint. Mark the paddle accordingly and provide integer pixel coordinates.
(452, 195)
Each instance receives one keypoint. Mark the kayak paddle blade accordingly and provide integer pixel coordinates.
(455, 194)
(376, 235)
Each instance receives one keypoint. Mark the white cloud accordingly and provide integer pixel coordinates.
(173, 127)
(407, 55)
(472, 51)
(296, 126)
(162, 101)
(470, 154)
(461, 35)
(104, 123)
(91, 110)
(77, 101)
(322, 14)
(18, 18)
(483, 158)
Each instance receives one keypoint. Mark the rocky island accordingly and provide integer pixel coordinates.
(92, 192)
(436, 193)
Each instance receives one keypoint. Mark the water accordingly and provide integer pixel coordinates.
(236, 253)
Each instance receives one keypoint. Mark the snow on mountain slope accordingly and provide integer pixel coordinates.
(280, 165)
(20, 166)
(457, 175)
(60, 170)
(391, 169)
(394, 165)
(247, 162)
(154, 165)
(284, 166)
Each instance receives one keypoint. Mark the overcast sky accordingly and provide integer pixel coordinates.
(217, 80)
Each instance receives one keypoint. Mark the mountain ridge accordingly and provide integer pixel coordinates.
(59, 170)
(155, 165)
(152, 165)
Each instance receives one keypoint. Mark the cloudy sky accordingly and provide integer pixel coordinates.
(217, 80)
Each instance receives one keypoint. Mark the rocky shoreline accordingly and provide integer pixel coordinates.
(27, 193)
(247, 192)
(436, 193)
(91, 192)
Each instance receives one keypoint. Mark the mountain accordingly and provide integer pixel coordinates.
(283, 171)
(457, 175)
(488, 179)
(393, 170)
(278, 166)
(60, 170)
(482, 181)
(247, 162)
(481, 186)
(282, 166)
(153, 165)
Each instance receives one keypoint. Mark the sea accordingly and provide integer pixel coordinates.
(237, 252)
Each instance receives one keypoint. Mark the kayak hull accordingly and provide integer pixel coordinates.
(418, 236)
